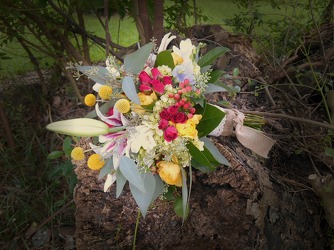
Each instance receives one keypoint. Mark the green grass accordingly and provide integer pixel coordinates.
(124, 32)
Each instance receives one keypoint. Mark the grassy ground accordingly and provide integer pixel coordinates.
(124, 32)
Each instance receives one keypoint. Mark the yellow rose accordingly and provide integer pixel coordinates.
(196, 118)
(144, 101)
(188, 129)
(170, 173)
(177, 59)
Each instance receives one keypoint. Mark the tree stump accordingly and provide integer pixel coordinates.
(236, 207)
(244, 206)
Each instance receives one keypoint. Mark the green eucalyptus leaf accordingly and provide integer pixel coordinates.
(165, 58)
(104, 109)
(185, 202)
(214, 151)
(135, 62)
(98, 74)
(130, 171)
(120, 182)
(144, 199)
(211, 118)
(205, 69)
(159, 187)
(129, 89)
(211, 56)
(212, 88)
(107, 168)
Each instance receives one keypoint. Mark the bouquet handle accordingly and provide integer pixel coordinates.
(250, 138)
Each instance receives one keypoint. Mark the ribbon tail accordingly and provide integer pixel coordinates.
(254, 140)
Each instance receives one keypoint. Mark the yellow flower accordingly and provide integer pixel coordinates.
(95, 162)
(177, 59)
(188, 129)
(170, 173)
(105, 92)
(77, 154)
(122, 105)
(90, 100)
(144, 101)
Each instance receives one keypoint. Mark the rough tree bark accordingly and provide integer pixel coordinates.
(244, 206)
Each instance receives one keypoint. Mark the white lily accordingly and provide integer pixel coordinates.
(165, 41)
(185, 51)
(83, 127)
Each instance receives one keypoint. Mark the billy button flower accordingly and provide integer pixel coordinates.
(105, 92)
(123, 106)
(90, 100)
(95, 162)
(78, 154)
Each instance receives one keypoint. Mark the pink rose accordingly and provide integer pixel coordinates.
(163, 124)
(173, 110)
(155, 73)
(180, 117)
(144, 87)
(158, 86)
(167, 80)
(144, 77)
(165, 115)
(170, 133)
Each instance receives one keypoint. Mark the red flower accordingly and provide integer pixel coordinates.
(163, 124)
(180, 117)
(173, 110)
(167, 80)
(144, 77)
(165, 115)
(151, 82)
(155, 73)
(170, 133)
(144, 87)
(158, 86)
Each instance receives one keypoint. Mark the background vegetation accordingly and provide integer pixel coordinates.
(36, 188)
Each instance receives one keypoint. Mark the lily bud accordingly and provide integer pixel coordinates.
(83, 127)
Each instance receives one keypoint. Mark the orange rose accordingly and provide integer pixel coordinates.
(170, 173)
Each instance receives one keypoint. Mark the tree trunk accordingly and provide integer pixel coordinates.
(158, 30)
(145, 21)
(85, 46)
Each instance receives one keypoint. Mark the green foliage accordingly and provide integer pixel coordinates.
(177, 13)
(32, 191)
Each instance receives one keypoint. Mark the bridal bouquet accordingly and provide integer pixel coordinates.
(151, 120)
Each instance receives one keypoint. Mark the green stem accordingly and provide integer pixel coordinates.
(136, 230)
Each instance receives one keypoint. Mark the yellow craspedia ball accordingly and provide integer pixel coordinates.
(105, 92)
(122, 105)
(77, 154)
(90, 100)
(95, 162)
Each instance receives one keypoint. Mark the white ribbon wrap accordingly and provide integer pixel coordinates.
(252, 139)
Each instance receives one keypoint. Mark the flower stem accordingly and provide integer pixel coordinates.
(136, 230)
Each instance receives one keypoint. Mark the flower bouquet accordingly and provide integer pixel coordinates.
(153, 121)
